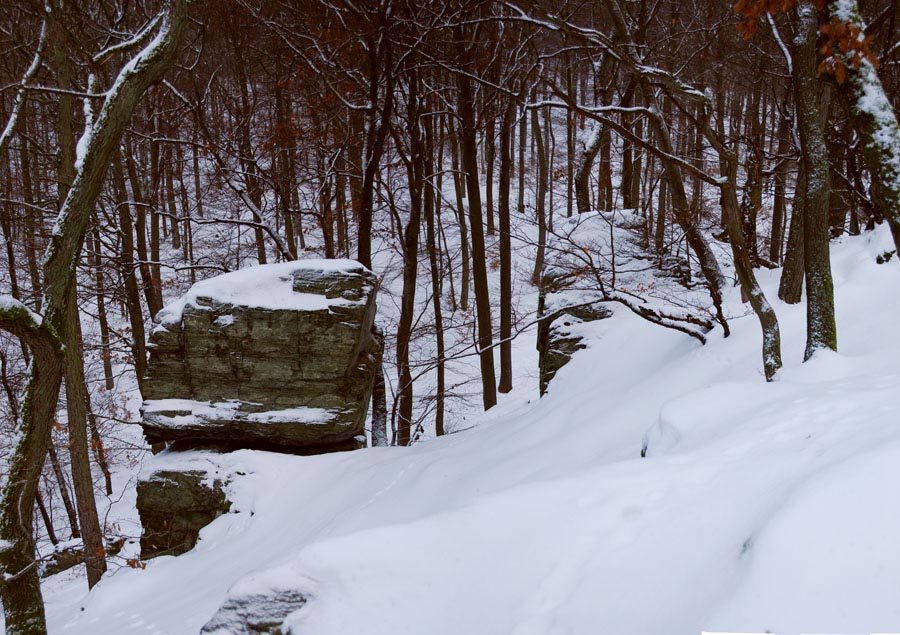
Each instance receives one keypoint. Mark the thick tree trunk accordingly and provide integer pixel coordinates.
(821, 330)
(20, 587)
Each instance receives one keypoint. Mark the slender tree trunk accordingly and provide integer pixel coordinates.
(469, 157)
(432, 203)
(506, 131)
(523, 143)
(151, 282)
(45, 516)
(129, 275)
(490, 157)
(82, 479)
(415, 173)
(779, 209)
(790, 288)
(59, 473)
(459, 186)
(540, 201)
(379, 410)
(105, 350)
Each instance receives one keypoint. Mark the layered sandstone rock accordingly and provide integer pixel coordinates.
(275, 357)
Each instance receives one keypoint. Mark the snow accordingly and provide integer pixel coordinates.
(758, 506)
(263, 287)
(188, 412)
(293, 415)
(10, 304)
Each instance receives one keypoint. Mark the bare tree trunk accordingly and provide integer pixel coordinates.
(570, 137)
(790, 288)
(490, 157)
(151, 282)
(459, 187)
(19, 585)
(539, 204)
(71, 512)
(105, 351)
(76, 408)
(506, 131)
(45, 516)
(479, 258)
(415, 166)
(432, 208)
(585, 165)
(523, 143)
(129, 277)
(821, 330)
(779, 208)
(379, 410)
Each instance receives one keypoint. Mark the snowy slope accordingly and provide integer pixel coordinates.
(757, 506)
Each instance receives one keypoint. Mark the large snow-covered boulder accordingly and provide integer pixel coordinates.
(278, 356)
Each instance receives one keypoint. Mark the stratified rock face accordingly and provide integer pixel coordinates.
(277, 356)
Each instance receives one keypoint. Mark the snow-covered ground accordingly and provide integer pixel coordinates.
(758, 507)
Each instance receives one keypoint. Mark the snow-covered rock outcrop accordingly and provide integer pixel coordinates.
(275, 357)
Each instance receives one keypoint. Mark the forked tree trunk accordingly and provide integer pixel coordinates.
(19, 585)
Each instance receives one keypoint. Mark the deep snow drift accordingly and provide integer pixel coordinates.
(757, 507)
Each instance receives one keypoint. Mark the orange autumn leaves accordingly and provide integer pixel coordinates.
(841, 42)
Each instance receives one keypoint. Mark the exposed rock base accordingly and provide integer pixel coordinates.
(174, 506)
(561, 312)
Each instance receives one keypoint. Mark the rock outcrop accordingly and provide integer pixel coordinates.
(276, 357)
(174, 505)
(559, 332)
(254, 613)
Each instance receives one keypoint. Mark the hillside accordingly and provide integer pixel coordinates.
(758, 507)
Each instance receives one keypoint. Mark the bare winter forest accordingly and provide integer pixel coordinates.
(478, 156)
